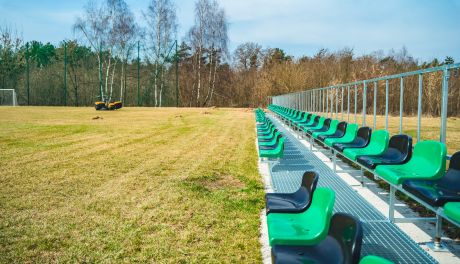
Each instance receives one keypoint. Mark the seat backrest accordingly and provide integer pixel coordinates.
(312, 119)
(351, 132)
(327, 123)
(278, 137)
(320, 122)
(333, 125)
(455, 161)
(322, 204)
(310, 180)
(317, 118)
(348, 232)
(342, 126)
(451, 180)
(379, 139)
(364, 133)
(432, 155)
(402, 143)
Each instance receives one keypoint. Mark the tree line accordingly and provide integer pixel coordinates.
(114, 58)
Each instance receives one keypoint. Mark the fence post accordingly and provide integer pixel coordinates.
(27, 73)
(138, 75)
(445, 98)
(100, 72)
(65, 73)
(177, 77)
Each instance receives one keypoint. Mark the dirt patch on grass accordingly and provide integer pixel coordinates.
(224, 182)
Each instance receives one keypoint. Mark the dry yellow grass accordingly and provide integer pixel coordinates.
(136, 185)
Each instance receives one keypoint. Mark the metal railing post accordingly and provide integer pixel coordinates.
(341, 101)
(387, 86)
(348, 104)
(364, 103)
(401, 105)
(375, 105)
(356, 103)
(336, 103)
(445, 98)
(419, 106)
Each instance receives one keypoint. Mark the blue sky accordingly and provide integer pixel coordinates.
(429, 29)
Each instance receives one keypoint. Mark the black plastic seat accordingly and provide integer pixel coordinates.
(340, 132)
(324, 128)
(399, 152)
(438, 192)
(272, 146)
(296, 202)
(342, 245)
(362, 139)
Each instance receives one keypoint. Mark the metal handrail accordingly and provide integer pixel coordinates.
(322, 99)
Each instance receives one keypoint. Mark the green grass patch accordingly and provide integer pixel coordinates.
(135, 185)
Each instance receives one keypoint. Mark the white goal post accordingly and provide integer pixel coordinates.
(8, 97)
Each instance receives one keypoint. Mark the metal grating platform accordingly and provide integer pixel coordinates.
(381, 237)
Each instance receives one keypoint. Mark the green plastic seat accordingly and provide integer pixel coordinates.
(330, 131)
(271, 142)
(267, 135)
(371, 259)
(273, 153)
(428, 162)
(310, 122)
(265, 127)
(307, 228)
(303, 120)
(350, 135)
(377, 146)
(318, 126)
(452, 210)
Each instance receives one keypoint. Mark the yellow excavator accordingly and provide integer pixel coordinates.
(108, 106)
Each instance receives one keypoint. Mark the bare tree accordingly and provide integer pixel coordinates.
(218, 46)
(105, 26)
(161, 32)
(209, 40)
(125, 31)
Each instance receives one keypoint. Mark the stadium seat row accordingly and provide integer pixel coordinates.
(301, 226)
(270, 140)
(419, 172)
(302, 229)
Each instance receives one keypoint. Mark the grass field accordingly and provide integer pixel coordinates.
(137, 185)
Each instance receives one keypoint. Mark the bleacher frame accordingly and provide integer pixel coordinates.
(325, 101)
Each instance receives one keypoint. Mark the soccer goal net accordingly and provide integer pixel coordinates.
(8, 97)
